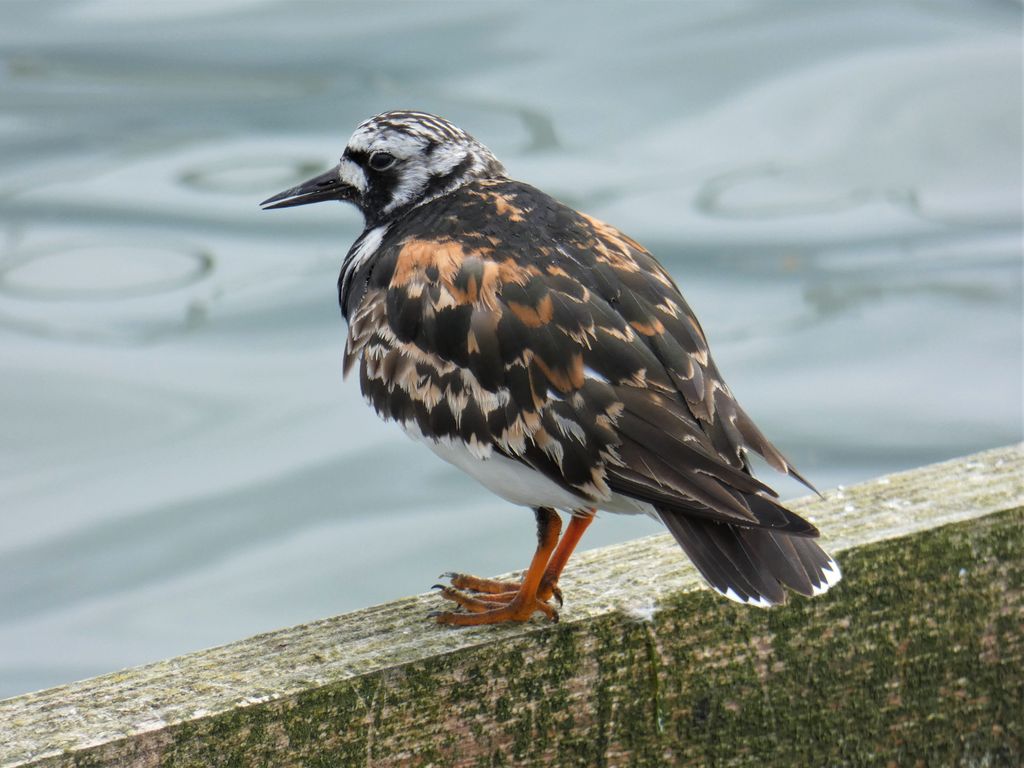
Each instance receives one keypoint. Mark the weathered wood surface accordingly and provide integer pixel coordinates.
(916, 658)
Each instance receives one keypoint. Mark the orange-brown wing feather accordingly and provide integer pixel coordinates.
(556, 340)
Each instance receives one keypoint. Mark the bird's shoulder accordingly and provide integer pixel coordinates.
(515, 223)
(503, 259)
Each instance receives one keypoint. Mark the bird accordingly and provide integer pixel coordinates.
(553, 359)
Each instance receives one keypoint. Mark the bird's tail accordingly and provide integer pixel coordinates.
(752, 565)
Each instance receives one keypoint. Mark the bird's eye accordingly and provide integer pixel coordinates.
(381, 161)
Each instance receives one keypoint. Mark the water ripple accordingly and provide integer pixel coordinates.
(101, 272)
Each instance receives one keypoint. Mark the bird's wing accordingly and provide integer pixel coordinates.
(566, 347)
(645, 296)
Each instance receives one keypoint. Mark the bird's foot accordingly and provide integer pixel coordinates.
(492, 609)
(496, 589)
(488, 601)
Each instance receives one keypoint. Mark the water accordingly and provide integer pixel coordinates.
(836, 187)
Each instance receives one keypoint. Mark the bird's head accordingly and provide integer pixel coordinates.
(394, 162)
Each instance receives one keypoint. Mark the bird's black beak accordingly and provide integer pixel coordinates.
(326, 186)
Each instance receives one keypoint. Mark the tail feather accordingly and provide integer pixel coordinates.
(752, 565)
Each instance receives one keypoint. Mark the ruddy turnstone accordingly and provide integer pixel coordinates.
(553, 359)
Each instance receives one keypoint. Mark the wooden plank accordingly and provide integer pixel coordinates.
(916, 656)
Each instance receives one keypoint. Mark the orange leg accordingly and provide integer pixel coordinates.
(503, 591)
(577, 527)
(525, 601)
(490, 596)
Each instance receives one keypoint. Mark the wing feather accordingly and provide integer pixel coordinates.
(569, 349)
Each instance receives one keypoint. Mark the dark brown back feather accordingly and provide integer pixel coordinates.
(554, 339)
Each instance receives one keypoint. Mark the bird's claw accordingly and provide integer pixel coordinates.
(557, 594)
(492, 601)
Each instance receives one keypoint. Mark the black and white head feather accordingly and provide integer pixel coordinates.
(398, 160)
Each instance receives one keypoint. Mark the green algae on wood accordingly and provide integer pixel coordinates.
(917, 657)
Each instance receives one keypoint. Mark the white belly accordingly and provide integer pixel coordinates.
(515, 482)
